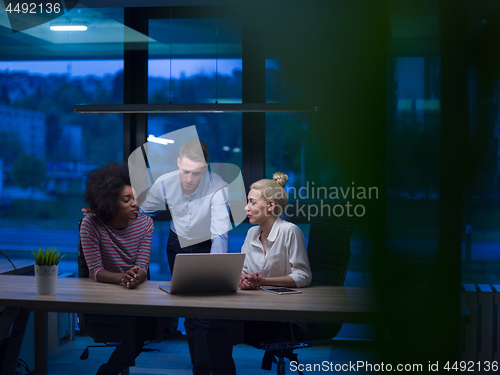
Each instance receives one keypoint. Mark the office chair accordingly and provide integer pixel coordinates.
(102, 327)
(329, 251)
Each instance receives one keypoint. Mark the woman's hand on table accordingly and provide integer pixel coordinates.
(251, 281)
(245, 284)
(131, 278)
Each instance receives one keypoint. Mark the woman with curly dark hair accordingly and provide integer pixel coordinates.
(103, 185)
(116, 242)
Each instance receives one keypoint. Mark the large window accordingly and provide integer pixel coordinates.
(46, 149)
(196, 61)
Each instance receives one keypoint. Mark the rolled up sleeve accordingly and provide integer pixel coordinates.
(299, 261)
(220, 224)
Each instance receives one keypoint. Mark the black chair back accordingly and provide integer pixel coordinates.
(329, 251)
(83, 269)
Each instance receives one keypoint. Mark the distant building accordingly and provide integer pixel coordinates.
(71, 141)
(65, 174)
(28, 125)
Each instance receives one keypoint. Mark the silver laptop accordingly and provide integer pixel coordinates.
(206, 273)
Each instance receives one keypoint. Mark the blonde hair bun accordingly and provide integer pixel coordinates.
(280, 178)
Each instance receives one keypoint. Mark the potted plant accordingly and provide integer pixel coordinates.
(46, 269)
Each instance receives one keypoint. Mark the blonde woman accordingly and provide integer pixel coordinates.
(275, 249)
(275, 255)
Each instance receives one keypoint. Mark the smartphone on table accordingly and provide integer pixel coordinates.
(281, 290)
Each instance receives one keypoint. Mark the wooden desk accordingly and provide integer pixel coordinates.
(321, 304)
(18, 295)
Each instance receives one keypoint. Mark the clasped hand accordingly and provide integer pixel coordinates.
(131, 278)
(251, 281)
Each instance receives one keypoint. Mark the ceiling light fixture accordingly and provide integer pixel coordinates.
(162, 141)
(194, 108)
(69, 28)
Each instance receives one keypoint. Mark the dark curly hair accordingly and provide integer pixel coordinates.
(103, 186)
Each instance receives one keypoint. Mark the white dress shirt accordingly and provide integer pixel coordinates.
(197, 217)
(286, 253)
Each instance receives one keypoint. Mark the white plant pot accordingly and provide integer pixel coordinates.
(46, 279)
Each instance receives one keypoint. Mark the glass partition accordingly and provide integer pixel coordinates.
(481, 209)
(413, 164)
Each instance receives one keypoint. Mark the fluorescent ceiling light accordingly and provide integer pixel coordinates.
(193, 108)
(162, 141)
(68, 28)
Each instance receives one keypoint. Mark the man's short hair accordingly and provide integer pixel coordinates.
(195, 151)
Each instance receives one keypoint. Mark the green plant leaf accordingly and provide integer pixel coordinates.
(47, 257)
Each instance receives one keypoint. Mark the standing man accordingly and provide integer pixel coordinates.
(197, 200)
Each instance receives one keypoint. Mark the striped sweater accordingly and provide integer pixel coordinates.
(114, 250)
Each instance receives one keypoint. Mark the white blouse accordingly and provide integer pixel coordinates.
(286, 253)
